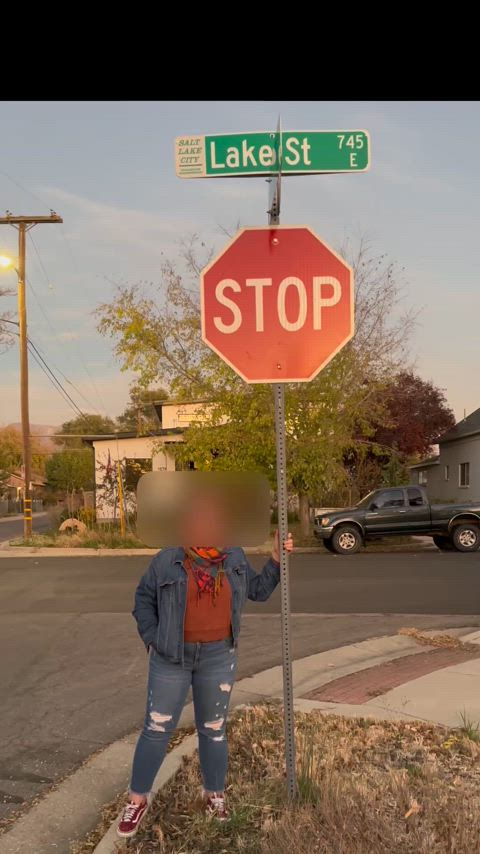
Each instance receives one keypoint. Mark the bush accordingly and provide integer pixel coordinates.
(87, 515)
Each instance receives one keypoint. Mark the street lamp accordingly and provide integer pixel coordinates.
(7, 263)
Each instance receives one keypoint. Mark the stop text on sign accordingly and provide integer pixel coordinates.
(324, 292)
(277, 304)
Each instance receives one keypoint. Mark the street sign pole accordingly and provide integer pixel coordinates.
(282, 504)
(253, 333)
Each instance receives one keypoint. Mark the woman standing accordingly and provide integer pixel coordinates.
(188, 607)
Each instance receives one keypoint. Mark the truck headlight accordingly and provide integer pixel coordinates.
(325, 521)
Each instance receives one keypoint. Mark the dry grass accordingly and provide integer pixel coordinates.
(364, 788)
(444, 641)
(90, 539)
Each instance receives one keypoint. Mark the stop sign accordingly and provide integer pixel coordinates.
(277, 304)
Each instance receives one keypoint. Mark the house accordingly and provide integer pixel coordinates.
(139, 454)
(13, 487)
(12, 490)
(454, 474)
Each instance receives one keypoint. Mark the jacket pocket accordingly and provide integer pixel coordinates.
(167, 599)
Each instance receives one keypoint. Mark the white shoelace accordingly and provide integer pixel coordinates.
(129, 811)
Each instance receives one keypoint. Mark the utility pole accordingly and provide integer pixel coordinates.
(24, 224)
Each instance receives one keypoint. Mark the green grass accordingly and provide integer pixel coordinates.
(469, 727)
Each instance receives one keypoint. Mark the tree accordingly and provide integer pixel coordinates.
(139, 414)
(415, 414)
(10, 449)
(11, 453)
(71, 471)
(418, 415)
(86, 425)
(161, 342)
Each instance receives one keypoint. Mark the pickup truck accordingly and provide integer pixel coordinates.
(401, 511)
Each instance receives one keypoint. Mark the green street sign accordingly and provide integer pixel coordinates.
(303, 153)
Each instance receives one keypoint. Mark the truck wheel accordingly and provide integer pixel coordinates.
(466, 537)
(443, 543)
(346, 540)
(328, 545)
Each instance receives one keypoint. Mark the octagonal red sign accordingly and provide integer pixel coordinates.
(277, 304)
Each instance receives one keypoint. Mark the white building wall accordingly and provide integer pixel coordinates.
(142, 447)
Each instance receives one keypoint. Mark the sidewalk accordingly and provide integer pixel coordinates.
(442, 695)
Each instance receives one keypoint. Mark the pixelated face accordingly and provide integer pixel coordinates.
(203, 508)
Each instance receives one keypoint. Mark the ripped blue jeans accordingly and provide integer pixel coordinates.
(210, 669)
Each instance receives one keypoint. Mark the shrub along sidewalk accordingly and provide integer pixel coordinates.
(365, 787)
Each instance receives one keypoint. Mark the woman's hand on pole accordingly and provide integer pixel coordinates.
(287, 544)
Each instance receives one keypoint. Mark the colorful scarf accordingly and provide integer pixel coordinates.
(207, 568)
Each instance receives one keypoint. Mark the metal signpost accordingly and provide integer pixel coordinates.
(274, 200)
(277, 302)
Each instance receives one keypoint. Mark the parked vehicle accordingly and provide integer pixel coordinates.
(400, 511)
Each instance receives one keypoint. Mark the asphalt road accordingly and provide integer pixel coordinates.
(13, 527)
(73, 668)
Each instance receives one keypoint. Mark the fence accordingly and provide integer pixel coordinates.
(8, 505)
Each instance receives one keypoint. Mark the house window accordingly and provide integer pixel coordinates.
(447, 472)
(422, 477)
(187, 465)
(134, 468)
(464, 474)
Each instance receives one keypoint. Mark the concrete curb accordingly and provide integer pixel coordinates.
(52, 822)
(6, 550)
(173, 760)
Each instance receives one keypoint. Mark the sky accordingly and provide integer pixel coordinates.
(107, 168)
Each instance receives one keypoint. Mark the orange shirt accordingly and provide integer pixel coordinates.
(207, 619)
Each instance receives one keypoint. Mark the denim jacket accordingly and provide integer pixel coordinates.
(161, 596)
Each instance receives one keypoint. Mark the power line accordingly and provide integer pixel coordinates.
(58, 388)
(55, 378)
(48, 281)
(15, 323)
(58, 341)
(39, 259)
(92, 405)
(48, 372)
(21, 187)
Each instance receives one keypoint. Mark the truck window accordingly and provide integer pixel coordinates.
(415, 497)
(390, 498)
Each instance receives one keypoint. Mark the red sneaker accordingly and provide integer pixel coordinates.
(217, 808)
(131, 818)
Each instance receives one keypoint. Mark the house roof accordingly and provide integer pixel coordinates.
(180, 402)
(468, 426)
(429, 461)
(36, 479)
(131, 434)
